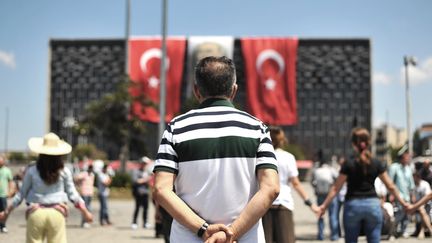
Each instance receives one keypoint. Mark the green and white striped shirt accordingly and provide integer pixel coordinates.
(215, 151)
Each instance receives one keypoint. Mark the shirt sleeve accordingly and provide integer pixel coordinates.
(392, 172)
(135, 176)
(427, 188)
(9, 175)
(313, 180)
(411, 182)
(25, 188)
(166, 159)
(344, 168)
(293, 170)
(382, 167)
(266, 157)
(70, 189)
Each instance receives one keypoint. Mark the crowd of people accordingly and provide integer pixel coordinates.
(394, 187)
(221, 175)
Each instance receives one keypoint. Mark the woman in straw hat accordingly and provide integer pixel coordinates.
(47, 186)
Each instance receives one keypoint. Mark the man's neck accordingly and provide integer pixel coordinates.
(213, 98)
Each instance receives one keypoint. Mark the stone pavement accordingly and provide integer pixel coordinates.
(120, 231)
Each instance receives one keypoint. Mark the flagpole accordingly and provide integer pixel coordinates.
(124, 150)
(127, 30)
(408, 60)
(162, 99)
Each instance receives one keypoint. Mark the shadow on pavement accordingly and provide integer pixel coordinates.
(306, 237)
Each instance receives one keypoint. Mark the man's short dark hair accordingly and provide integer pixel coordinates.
(215, 76)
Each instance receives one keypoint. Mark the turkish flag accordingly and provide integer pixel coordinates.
(270, 69)
(144, 69)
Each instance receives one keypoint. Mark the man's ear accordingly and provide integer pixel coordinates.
(197, 93)
(233, 92)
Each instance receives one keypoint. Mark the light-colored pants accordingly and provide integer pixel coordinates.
(46, 223)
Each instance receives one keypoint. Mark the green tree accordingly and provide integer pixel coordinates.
(17, 156)
(88, 150)
(110, 118)
(295, 150)
(417, 145)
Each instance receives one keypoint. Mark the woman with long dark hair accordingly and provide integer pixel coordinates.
(47, 186)
(362, 207)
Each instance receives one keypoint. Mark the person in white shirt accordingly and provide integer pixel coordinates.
(323, 178)
(278, 222)
(422, 188)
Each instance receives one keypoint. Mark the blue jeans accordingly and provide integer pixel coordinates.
(87, 201)
(363, 213)
(333, 214)
(3, 206)
(340, 205)
(103, 215)
(401, 219)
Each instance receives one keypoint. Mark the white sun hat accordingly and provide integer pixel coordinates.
(50, 144)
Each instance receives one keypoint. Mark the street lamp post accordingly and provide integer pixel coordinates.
(162, 98)
(408, 60)
(124, 150)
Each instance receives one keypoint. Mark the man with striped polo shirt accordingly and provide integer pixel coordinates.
(221, 162)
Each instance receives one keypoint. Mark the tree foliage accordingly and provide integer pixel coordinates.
(19, 157)
(295, 150)
(417, 144)
(110, 119)
(88, 150)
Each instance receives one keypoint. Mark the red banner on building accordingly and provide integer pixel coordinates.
(144, 69)
(270, 69)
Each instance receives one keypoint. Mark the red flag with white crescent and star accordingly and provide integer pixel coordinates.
(144, 69)
(270, 70)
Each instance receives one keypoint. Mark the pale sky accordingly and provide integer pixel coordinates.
(395, 27)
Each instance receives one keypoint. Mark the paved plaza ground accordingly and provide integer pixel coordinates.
(121, 232)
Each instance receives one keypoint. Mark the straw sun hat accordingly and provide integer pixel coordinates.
(50, 144)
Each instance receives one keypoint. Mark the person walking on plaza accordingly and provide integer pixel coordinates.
(47, 187)
(278, 222)
(221, 161)
(103, 183)
(140, 191)
(6, 189)
(85, 182)
(322, 179)
(402, 176)
(362, 207)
